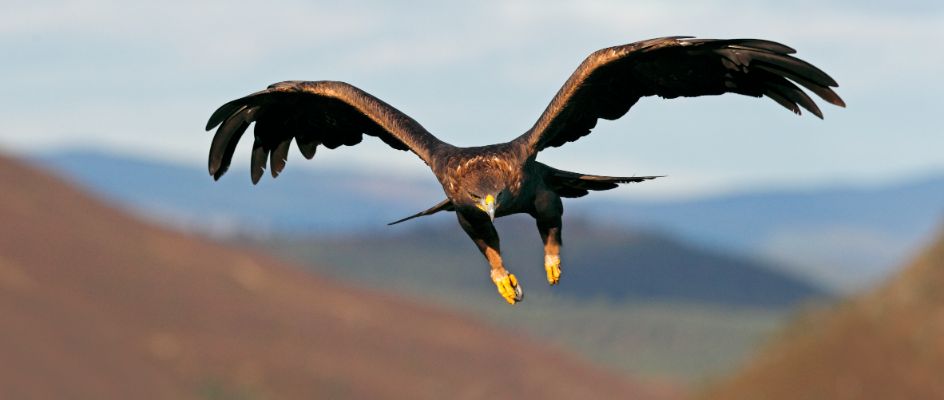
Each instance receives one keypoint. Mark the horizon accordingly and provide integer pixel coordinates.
(624, 193)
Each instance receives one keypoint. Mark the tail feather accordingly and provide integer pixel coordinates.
(445, 205)
(572, 184)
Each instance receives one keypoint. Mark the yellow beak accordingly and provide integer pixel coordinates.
(488, 205)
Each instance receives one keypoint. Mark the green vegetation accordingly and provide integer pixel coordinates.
(680, 342)
(219, 389)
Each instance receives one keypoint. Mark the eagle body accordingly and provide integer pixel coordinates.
(487, 182)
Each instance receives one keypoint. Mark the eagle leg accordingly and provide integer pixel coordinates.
(548, 209)
(483, 233)
(551, 235)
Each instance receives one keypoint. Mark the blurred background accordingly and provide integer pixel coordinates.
(782, 257)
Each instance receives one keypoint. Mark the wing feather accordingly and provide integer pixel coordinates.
(823, 92)
(259, 156)
(794, 94)
(782, 100)
(610, 81)
(224, 142)
(279, 157)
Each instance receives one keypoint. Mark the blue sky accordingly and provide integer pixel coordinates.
(142, 78)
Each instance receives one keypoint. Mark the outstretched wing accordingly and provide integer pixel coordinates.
(611, 80)
(312, 113)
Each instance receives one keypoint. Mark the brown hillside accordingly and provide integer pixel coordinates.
(96, 305)
(888, 344)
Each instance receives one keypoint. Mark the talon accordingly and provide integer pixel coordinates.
(552, 267)
(507, 286)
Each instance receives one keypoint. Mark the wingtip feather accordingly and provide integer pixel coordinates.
(257, 166)
(222, 113)
(279, 157)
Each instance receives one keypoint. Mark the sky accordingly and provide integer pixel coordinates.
(141, 78)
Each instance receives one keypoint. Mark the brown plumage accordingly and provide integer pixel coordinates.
(483, 183)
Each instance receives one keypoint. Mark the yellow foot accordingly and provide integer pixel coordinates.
(507, 286)
(552, 267)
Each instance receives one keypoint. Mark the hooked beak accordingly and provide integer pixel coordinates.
(488, 205)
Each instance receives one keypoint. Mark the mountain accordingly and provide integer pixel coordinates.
(886, 344)
(322, 200)
(610, 264)
(843, 238)
(95, 305)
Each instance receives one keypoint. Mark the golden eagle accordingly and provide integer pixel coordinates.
(483, 183)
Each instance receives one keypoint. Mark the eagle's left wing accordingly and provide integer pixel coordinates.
(611, 80)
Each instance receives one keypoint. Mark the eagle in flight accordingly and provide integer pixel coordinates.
(487, 182)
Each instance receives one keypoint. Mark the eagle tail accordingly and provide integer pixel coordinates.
(445, 205)
(573, 184)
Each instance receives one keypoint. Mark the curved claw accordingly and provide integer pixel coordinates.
(552, 267)
(507, 285)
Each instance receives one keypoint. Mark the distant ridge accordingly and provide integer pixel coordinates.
(96, 305)
(887, 344)
(600, 262)
(302, 200)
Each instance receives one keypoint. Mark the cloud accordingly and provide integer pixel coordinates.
(373, 34)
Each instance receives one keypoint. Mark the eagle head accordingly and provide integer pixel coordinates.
(484, 184)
